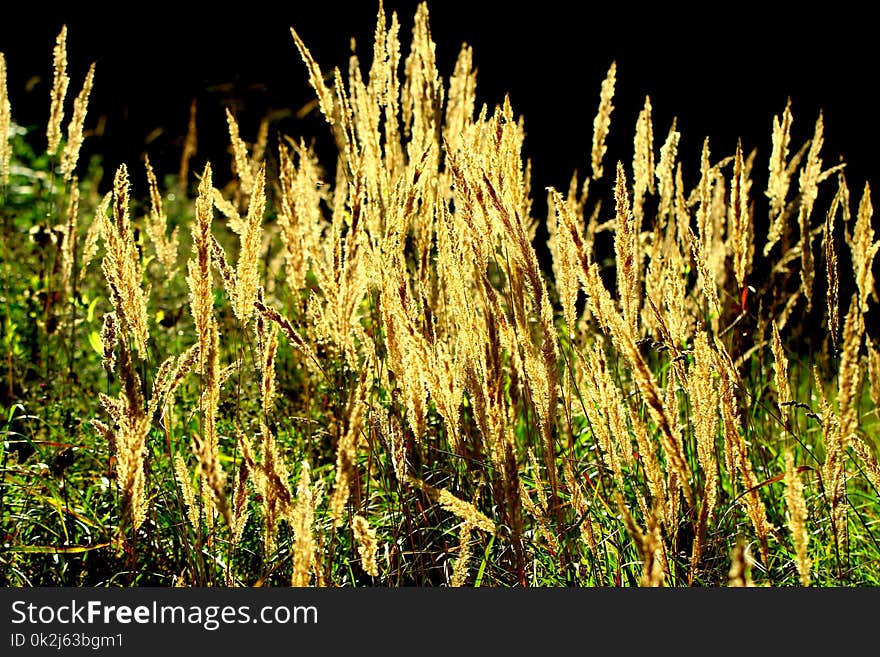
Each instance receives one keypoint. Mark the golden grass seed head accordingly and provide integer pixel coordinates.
(70, 240)
(740, 221)
(539, 515)
(75, 128)
(565, 260)
(459, 508)
(267, 368)
(304, 545)
(240, 161)
(247, 275)
(5, 125)
(184, 481)
(170, 376)
(874, 372)
(850, 371)
(708, 284)
(832, 288)
(869, 461)
(461, 98)
(346, 456)
(602, 122)
(132, 424)
(367, 544)
(783, 388)
(156, 225)
(797, 519)
(93, 234)
(122, 268)
(626, 249)
(199, 274)
(864, 250)
(206, 442)
(302, 522)
(665, 171)
(704, 398)
(780, 176)
(60, 83)
(460, 566)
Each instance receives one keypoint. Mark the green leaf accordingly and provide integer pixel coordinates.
(96, 342)
(485, 561)
(91, 312)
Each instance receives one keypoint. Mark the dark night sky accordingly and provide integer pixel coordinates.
(720, 73)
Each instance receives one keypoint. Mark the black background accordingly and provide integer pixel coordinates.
(723, 69)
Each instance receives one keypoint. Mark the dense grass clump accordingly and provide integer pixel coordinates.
(360, 372)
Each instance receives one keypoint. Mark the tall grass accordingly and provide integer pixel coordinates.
(384, 384)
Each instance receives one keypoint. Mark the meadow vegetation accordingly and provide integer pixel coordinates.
(361, 372)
